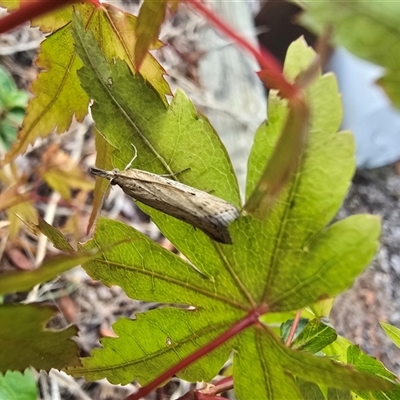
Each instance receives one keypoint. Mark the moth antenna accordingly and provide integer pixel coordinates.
(133, 159)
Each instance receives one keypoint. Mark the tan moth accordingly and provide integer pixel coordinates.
(204, 211)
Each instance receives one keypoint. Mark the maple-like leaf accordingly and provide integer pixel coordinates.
(280, 264)
(128, 111)
(58, 95)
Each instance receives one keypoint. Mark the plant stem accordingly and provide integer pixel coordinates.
(293, 328)
(250, 319)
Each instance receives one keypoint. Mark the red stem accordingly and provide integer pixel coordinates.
(266, 60)
(248, 320)
(293, 328)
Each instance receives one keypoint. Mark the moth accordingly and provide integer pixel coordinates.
(200, 209)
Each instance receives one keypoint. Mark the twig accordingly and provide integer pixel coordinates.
(293, 328)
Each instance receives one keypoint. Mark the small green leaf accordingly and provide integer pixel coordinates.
(25, 341)
(273, 367)
(17, 386)
(12, 108)
(314, 337)
(392, 332)
(7, 86)
(59, 241)
(150, 18)
(370, 365)
(287, 326)
(11, 282)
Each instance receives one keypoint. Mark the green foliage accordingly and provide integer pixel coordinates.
(25, 341)
(369, 365)
(314, 337)
(52, 267)
(167, 139)
(12, 108)
(58, 95)
(283, 263)
(17, 386)
(392, 332)
(369, 29)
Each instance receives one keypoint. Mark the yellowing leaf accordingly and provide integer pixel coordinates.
(50, 22)
(58, 94)
(10, 4)
(24, 211)
(104, 161)
(61, 173)
(11, 197)
(150, 18)
(115, 30)
(53, 234)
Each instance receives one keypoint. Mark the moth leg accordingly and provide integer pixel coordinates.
(176, 173)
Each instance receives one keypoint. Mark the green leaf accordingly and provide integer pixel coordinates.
(370, 365)
(392, 332)
(281, 264)
(174, 335)
(115, 31)
(275, 365)
(25, 341)
(7, 86)
(58, 94)
(338, 349)
(18, 386)
(11, 282)
(59, 241)
(369, 29)
(150, 18)
(314, 337)
(129, 112)
(287, 326)
(12, 108)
